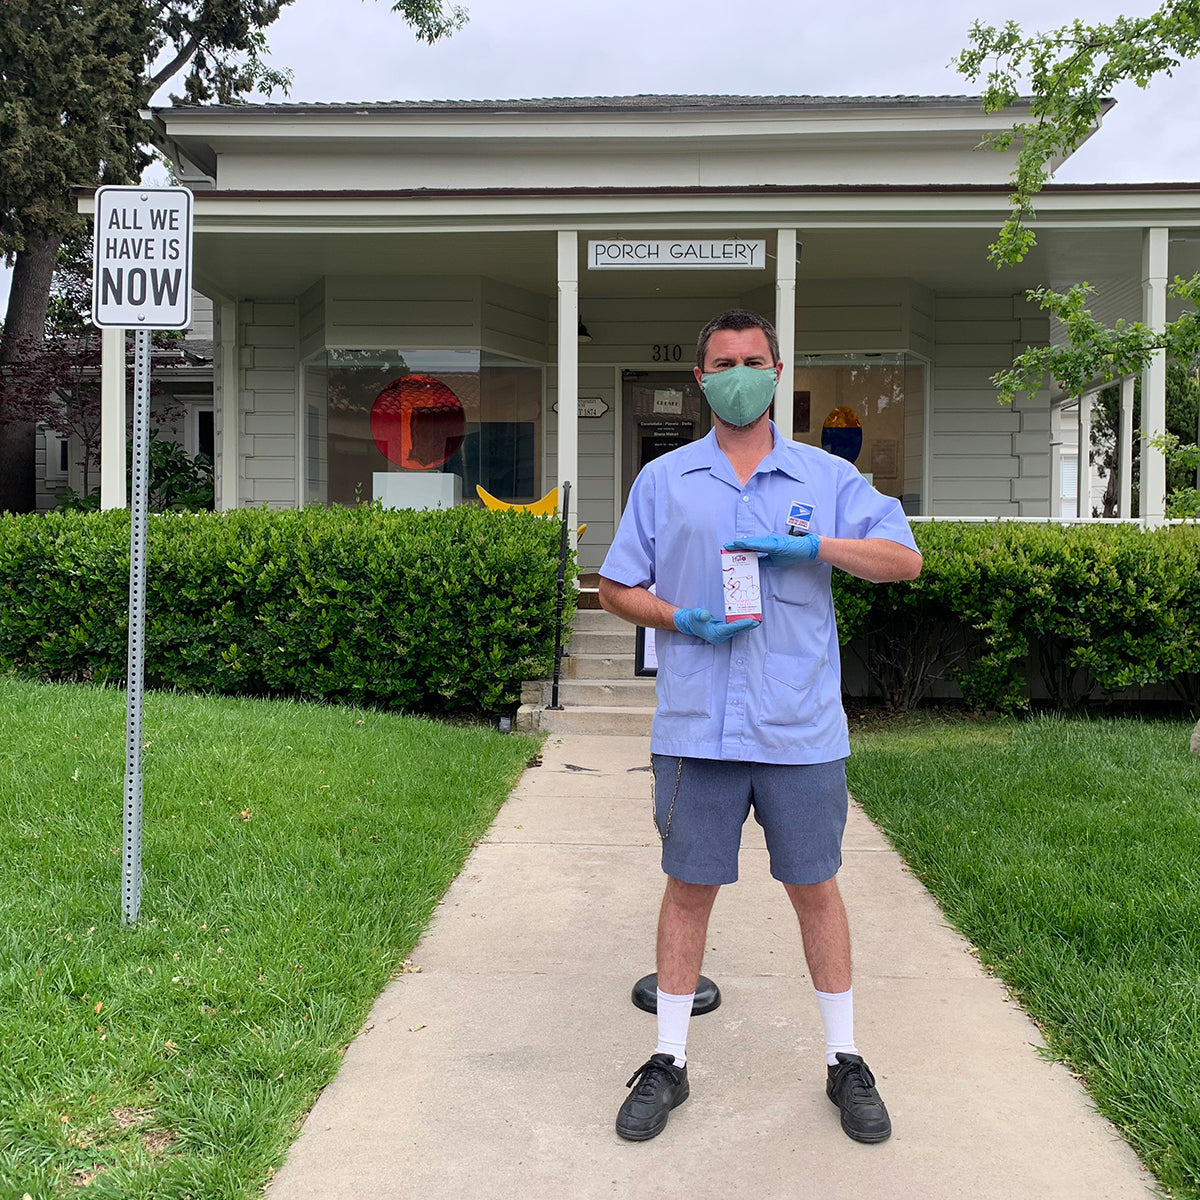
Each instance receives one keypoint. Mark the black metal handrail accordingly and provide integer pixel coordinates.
(563, 551)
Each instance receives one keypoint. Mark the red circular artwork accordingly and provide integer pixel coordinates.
(417, 422)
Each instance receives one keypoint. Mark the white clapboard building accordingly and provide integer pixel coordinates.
(412, 299)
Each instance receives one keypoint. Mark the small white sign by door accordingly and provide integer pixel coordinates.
(668, 400)
(589, 406)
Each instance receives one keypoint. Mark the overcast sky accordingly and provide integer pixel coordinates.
(353, 50)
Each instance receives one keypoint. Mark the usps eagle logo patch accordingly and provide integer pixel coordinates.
(800, 517)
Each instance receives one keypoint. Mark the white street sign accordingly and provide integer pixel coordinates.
(589, 406)
(142, 258)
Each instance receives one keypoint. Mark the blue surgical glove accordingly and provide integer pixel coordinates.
(781, 549)
(699, 622)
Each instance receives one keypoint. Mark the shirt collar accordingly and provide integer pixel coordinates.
(706, 455)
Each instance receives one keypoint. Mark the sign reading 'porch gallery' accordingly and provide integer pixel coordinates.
(685, 254)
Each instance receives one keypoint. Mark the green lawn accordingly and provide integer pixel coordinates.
(1068, 851)
(293, 853)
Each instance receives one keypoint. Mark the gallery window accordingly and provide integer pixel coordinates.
(421, 428)
(869, 409)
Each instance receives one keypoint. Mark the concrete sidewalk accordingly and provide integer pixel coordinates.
(497, 1070)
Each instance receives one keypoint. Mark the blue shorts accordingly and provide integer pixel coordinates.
(701, 804)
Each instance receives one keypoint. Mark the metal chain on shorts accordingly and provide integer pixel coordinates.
(675, 796)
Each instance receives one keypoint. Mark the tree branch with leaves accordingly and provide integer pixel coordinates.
(1093, 353)
(73, 79)
(1069, 73)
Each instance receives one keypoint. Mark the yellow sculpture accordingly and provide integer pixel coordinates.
(547, 506)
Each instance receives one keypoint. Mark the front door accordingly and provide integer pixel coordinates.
(661, 410)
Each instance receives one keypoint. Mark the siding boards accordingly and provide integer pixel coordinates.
(974, 420)
(625, 330)
(985, 461)
(996, 357)
(873, 318)
(402, 313)
(311, 320)
(921, 321)
(268, 465)
(974, 308)
(279, 358)
(515, 321)
(997, 445)
(593, 494)
(268, 335)
(417, 312)
(201, 328)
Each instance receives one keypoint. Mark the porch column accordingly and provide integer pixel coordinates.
(785, 325)
(568, 364)
(227, 449)
(1056, 436)
(1125, 450)
(112, 418)
(1154, 377)
(1083, 489)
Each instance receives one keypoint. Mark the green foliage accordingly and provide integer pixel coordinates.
(176, 483)
(293, 854)
(76, 75)
(435, 612)
(1183, 402)
(1069, 72)
(68, 109)
(431, 21)
(1091, 610)
(69, 500)
(1183, 500)
(1094, 353)
(1065, 849)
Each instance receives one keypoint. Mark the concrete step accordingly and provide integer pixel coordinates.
(585, 641)
(596, 719)
(599, 621)
(598, 666)
(618, 693)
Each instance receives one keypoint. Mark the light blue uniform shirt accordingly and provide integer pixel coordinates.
(772, 694)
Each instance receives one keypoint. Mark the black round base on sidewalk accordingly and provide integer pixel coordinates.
(645, 995)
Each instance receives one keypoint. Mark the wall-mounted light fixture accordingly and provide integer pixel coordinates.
(584, 336)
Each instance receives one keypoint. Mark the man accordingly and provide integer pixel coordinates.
(749, 711)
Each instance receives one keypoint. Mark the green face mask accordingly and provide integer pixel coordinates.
(739, 395)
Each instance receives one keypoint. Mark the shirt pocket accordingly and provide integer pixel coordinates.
(685, 679)
(789, 689)
(797, 584)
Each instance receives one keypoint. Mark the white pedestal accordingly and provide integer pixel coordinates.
(417, 489)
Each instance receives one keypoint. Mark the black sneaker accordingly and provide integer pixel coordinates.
(661, 1086)
(851, 1086)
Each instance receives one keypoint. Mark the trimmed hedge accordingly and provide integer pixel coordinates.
(435, 612)
(448, 612)
(1090, 609)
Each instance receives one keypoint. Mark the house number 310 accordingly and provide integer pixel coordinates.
(664, 352)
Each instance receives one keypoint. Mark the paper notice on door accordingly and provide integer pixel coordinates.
(743, 594)
(668, 400)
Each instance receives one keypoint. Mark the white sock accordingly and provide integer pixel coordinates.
(674, 1012)
(837, 1016)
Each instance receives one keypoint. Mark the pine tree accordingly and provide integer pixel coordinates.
(73, 76)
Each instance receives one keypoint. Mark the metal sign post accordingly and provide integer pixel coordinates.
(142, 280)
(131, 861)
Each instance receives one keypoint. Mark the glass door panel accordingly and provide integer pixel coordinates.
(661, 410)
